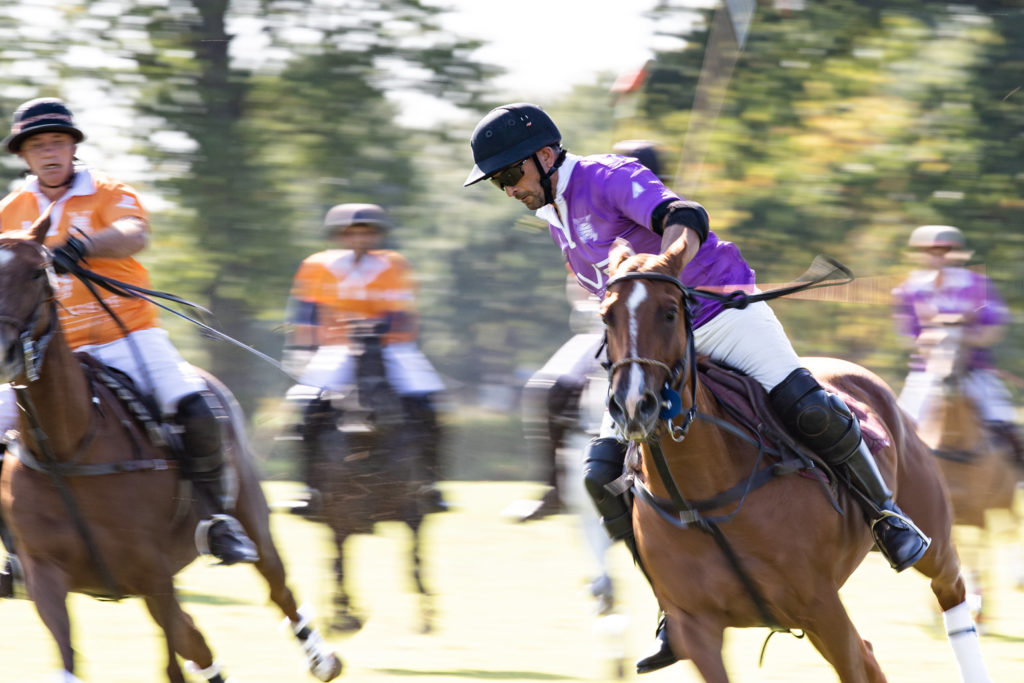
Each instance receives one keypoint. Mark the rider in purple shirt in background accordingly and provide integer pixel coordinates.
(590, 202)
(943, 292)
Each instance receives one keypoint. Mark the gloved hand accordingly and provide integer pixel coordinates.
(68, 254)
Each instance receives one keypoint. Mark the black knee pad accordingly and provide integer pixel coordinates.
(201, 437)
(818, 419)
(602, 464)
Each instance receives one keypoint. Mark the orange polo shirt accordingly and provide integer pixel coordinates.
(334, 290)
(93, 202)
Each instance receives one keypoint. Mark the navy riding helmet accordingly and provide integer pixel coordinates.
(509, 133)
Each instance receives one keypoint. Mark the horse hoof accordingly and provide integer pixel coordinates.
(346, 624)
(329, 669)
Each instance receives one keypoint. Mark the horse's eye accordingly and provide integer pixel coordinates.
(606, 319)
(672, 314)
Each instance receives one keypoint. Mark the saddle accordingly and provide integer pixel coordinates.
(747, 401)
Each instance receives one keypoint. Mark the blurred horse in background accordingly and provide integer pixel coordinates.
(976, 461)
(731, 536)
(92, 492)
(366, 459)
(563, 405)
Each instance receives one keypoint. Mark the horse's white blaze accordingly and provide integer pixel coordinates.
(636, 371)
(5, 257)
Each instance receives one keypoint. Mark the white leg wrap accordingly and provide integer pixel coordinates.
(323, 663)
(207, 673)
(963, 638)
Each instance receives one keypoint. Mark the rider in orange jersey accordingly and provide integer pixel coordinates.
(99, 222)
(356, 281)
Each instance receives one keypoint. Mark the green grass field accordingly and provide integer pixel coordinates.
(511, 605)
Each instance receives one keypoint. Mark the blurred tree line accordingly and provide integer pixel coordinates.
(846, 124)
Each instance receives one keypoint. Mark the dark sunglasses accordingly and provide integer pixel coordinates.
(508, 176)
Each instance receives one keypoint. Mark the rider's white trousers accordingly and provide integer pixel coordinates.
(163, 372)
(408, 370)
(983, 387)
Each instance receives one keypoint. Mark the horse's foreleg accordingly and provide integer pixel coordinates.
(182, 636)
(47, 586)
(426, 599)
(836, 638)
(698, 641)
(344, 619)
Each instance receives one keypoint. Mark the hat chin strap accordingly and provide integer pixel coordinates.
(545, 178)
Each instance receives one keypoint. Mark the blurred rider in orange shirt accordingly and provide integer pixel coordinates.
(357, 281)
(98, 221)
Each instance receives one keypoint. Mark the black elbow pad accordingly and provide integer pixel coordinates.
(681, 212)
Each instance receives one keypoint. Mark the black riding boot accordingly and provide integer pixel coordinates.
(7, 571)
(419, 410)
(603, 464)
(1009, 433)
(662, 654)
(220, 535)
(318, 416)
(824, 423)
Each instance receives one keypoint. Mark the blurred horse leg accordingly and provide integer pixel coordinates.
(426, 599)
(699, 639)
(833, 634)
(48, 588)
(343, 619)
(183, 638)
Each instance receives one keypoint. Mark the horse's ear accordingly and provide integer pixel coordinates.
(674, 255)
(42, 225)
(621, 251)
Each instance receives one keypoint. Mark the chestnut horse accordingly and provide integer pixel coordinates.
(93, 505)
(975, 461)
(776, 554)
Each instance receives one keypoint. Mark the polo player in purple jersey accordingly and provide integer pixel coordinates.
(589, 203)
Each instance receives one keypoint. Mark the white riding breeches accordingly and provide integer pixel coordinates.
(408, 370)
(164, 373)
(983, 387)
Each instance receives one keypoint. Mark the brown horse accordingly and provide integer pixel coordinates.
(777, 554)
(93, 505)
(367, 460)
(976, 462)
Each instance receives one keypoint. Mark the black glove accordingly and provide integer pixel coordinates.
(68, 254)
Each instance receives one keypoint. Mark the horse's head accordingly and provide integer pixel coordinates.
(26, 284)
(647, 333)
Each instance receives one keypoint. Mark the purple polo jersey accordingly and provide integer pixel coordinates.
(606, 197)
(961, 292)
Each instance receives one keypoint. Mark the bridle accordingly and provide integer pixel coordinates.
(33, 347)
(685, 370)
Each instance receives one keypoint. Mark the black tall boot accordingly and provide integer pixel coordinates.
(11, 570)
(1008, 432)
(898, 538)
(823, 422)
(219, 535)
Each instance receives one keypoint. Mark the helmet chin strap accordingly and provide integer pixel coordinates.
(545, 178)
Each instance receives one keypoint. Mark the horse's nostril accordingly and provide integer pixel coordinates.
(649, 404)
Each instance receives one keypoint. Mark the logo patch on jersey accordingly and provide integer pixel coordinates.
(585, 229)
(127, 202)
(637, 189)
(81, 220)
